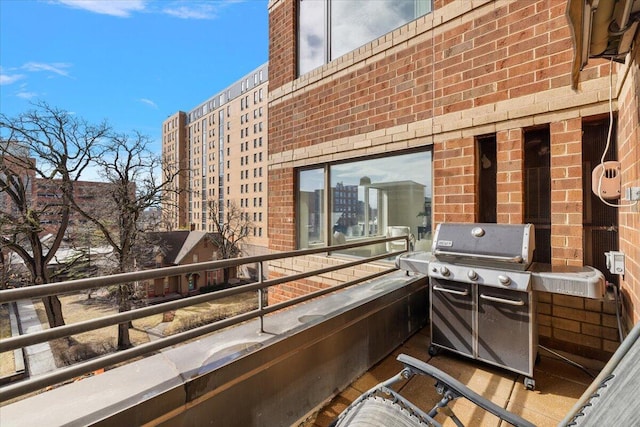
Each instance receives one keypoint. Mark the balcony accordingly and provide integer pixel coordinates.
(295, 363)
(558, 387)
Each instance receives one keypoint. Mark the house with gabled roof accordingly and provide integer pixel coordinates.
(182, 247)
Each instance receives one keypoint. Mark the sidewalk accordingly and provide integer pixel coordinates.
(18, 369)
(39, 358)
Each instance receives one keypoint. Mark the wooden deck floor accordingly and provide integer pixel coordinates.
(558, 387)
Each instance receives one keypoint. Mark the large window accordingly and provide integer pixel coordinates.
(364, 199)
(331, 28)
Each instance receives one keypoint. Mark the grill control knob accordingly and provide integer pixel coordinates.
(444, 271)
(472, 275)
(504, 280)
(477, 232)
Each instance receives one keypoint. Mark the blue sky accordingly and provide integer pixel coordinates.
(131, 62)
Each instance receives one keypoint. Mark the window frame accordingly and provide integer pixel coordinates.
(327, 33)
(327, 198)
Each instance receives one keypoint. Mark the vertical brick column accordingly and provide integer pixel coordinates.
(282, 43)
(510, 176)
(281, 217)
(566, 193)
(454, 183)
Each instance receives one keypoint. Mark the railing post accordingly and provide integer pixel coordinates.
(261, 297)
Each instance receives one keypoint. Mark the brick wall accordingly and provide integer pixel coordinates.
(454, 182)
(282, 42)
(566, 192)
(281, 212)
(509, 177)
(509, 51)
(629, 156)
(287, 267)
(577, 325)
(465, 70)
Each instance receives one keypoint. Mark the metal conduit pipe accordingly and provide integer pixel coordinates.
(602, 17)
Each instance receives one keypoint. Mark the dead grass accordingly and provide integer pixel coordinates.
(77, 308)
(7, 361)
(202, 314)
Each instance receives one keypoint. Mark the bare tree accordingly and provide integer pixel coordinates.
(5, 270)
(137, 182)
(165, 223)
(8, 270)
(231, 227)
(44, 145)
(87, 253)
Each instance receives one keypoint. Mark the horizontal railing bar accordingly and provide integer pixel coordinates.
(294, 277)
(321, 292)
(26, 340)
(32, 338)
(63, 374)
(58, 288)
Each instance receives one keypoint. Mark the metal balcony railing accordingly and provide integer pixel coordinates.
(29, 385)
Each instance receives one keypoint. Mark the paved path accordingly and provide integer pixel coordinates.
(157, 332)
(18, 357)
(39, 356)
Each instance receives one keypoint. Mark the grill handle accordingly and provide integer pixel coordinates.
(450, 291)
(502, 300)
(516, 259)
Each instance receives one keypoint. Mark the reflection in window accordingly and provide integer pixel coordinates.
(368, 198)
(311, 40)
(311, 214)
(350, 24)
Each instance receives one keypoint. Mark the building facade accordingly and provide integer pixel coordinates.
(45, 196)
(11, 150)
(172, 248)
(455, 111)
(93, 197)
(222, 146)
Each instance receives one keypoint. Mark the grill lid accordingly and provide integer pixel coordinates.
(507, 246)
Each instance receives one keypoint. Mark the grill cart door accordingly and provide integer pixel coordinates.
(504, 323)
(452, 315)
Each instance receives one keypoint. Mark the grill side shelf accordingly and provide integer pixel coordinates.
(586, 281)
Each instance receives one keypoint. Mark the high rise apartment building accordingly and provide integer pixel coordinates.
(223, 145)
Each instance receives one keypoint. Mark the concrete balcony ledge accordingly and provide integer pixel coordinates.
(239, 376)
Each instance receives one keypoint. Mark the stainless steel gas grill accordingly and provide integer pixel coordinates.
(482, 281)
(481, 299)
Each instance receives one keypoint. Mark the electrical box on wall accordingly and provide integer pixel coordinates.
(605, 180)
(632, 193)
(615, 262)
